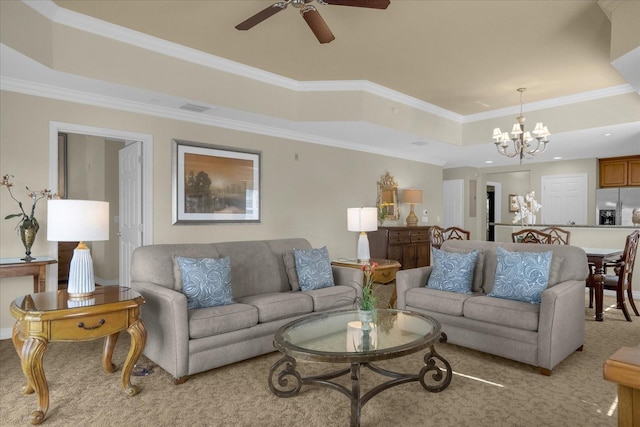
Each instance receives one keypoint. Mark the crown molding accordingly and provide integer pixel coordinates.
(551, 102)
(86, 98)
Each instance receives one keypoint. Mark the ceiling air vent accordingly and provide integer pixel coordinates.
(194, 107)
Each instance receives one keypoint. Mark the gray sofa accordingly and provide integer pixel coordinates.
(541, 335)
(184, 342)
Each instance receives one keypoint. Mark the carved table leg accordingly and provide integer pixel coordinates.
(18, 344)
(107, 353)
(138, 339)
(31, 360)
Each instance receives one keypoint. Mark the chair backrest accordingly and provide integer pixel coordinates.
(530, 235)
(456, 233)
(436, 236)
(629, 257)
(558, 235)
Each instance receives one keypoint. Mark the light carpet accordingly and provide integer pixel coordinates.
(485, 390)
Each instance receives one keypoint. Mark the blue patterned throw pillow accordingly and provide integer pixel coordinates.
(314, 268)
(207, 281)
(521, 276)
(452, 272)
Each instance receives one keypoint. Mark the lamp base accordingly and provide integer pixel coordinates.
(81, 280)
(363, 248)
(412, 219)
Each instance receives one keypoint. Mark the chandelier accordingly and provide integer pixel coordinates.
(521, 142)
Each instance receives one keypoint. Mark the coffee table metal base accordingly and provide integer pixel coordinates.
(434, 376)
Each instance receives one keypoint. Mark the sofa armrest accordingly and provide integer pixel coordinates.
(165, 316)
(561, 329)
(409, 279)
(347, 276)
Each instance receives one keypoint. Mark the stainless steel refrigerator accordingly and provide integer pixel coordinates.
(614, 206)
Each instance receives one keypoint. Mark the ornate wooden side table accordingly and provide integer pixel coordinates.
(51, 316)
(384, 274)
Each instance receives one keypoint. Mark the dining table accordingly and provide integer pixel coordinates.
(598, 257)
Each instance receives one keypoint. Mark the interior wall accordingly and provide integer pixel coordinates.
(92, 174)
(306, 188)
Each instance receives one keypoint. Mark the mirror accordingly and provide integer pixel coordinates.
(388, 198)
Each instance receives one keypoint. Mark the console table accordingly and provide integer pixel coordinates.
(15, 267)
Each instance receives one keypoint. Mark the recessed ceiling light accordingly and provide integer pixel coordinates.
(419, 142)
(607, 134)
(489, 162)
(557, 158)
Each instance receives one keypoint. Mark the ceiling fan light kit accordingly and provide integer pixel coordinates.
(310, 14)
(522, 142)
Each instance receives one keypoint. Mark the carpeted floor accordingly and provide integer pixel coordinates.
(485, 390)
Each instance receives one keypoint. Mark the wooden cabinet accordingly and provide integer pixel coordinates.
(408, 245)
(620, 171)
(65, 253)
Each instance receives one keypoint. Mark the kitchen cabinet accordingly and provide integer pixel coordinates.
(408, 245)
(619, 171)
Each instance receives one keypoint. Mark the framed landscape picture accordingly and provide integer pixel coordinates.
(214, 184)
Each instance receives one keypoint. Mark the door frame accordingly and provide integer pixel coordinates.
(124, 136)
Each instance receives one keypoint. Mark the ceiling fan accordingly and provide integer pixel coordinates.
(310, 14)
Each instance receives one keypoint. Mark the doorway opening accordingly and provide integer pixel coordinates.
(57, 181)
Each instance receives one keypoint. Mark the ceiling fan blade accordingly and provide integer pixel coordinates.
(373, 4)
(262, 15)
(317, 24)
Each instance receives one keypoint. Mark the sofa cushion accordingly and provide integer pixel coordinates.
(435, 300)
(521, 276)
(206, 281)
(452, 271)
(292, 274)
(476, 285)
(277, 305)
(205, 322)
(332, 297)
(314, 268)
(504, 312)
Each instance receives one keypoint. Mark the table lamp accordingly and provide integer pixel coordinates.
(412, 197)
(362, 220)
(78, 221)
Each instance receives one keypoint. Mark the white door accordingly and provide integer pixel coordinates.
(564, 199)
(453, 203)
(130, 215)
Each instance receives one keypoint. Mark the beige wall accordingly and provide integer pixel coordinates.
(514, 181)
(306, 188)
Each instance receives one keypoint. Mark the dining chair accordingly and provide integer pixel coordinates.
(436, 236)
(455, 233)
(623, 278)
(530, 235)
(559, 236)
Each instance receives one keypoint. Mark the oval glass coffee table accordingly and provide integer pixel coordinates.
(339, 337)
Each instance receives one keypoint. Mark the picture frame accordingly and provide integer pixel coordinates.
(214, 184)
(513, 203)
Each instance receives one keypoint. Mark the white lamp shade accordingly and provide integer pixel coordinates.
(362, 219)
(412, 196)
(77, 220)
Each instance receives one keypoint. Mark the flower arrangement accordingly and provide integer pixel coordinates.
(26, 220)
(369, 300)
(527, 208)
